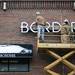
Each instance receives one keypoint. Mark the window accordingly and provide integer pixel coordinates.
(14, 58)
(14, 65)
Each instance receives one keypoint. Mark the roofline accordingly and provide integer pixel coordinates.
(36, 0)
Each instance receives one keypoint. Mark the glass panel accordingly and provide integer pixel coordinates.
(18, 65)
(3, 65)
(13, 65)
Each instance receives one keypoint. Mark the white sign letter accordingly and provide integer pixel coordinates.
(72, 26)
(56, 28)
(31, 27)
(24, 27)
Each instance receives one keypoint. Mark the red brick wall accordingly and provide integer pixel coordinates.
(10, 21)
(10, 28)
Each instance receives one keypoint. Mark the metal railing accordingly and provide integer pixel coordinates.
(38, 4)
(58, 39)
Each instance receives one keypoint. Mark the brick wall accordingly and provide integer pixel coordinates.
(10, 21)
(10, 30)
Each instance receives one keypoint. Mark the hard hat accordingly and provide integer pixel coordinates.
(37, 13)
(66, 20)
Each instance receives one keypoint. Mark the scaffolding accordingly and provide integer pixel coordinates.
(49, 44)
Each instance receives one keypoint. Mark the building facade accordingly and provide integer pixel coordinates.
(14, 12)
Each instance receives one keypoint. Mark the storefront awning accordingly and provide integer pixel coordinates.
(14, 51)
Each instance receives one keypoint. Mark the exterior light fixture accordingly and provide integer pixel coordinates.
(74, 6)
(4, 6)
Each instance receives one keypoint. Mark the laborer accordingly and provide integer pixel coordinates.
(40, 21)
(65, 32)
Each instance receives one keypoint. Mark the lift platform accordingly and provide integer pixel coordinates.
(48, 46)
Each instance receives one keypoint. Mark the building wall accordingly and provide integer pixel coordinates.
(10, 22)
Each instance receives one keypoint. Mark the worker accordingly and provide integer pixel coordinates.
(65, 32)
(40, 21)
